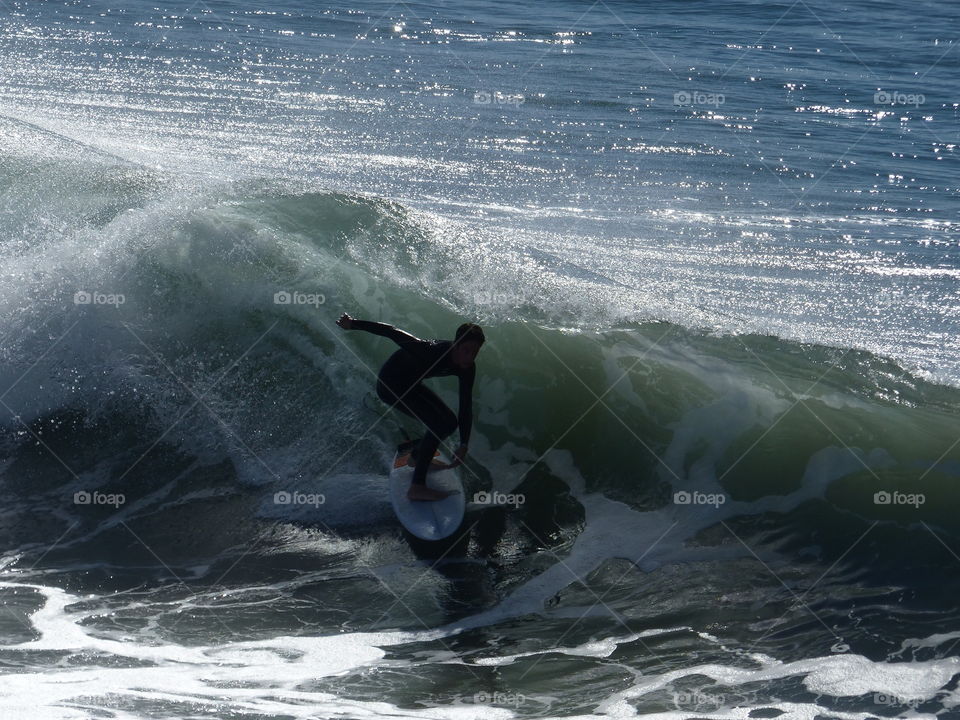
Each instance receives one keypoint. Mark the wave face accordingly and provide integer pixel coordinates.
(724, 432)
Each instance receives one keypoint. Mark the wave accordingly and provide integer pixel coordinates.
(154, 327)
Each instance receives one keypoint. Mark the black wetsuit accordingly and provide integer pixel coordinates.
(399, 385)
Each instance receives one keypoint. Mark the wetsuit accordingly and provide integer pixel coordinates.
(399, 385)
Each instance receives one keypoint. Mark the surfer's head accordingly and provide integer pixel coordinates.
(466, 344)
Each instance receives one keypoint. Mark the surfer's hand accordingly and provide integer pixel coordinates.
(345, 321)
(459, 455)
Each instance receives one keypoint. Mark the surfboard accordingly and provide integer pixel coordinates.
(432, 519)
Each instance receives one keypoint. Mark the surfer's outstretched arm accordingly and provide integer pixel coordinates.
(401, 338)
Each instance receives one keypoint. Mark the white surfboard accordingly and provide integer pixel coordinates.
(427, 519)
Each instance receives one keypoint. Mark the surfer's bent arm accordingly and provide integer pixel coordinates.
(401, 338)
(465, 414)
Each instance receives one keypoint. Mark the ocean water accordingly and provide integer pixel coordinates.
(714, 248)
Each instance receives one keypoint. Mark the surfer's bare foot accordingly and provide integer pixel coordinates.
(422, 492)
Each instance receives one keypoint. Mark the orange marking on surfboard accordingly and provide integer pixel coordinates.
(404, 459)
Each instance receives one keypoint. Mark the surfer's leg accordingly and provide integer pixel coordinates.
(424, 405)
(440, 422)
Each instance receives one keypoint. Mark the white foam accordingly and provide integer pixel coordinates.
(931, 641)
(269, 672)
(604, 647)
(835, 675)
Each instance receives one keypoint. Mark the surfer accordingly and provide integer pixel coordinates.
(399, 384)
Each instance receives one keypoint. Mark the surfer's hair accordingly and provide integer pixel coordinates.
(470, 332)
